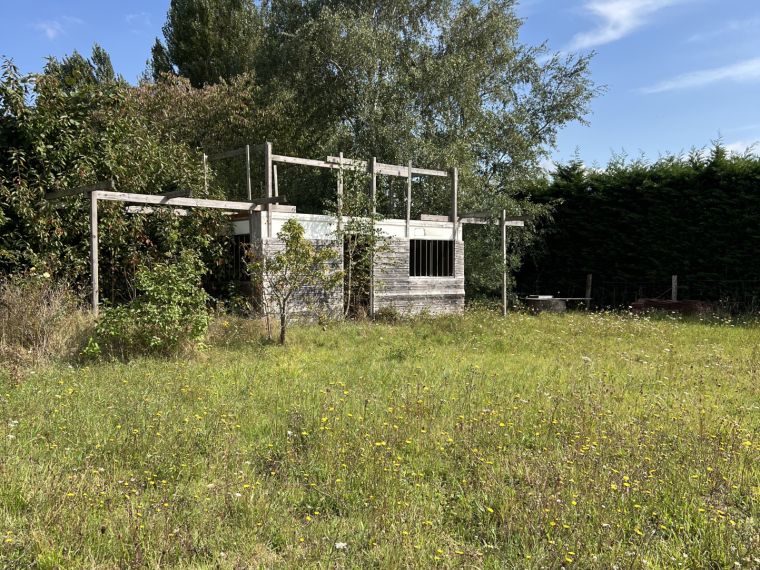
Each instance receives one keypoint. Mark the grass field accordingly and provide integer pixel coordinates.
(582, 441)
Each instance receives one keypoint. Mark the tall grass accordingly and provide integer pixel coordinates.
(588, 441)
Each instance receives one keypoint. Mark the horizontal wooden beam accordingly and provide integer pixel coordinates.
(181, 202)
(303, 161)
(389, 169)
(433, 218)
(486, 221)
(105, 185)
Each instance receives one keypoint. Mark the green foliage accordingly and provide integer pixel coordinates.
(75, 70)
(296, 278)
(208, 40)
(634, 224)
(64, 134)
(168, 315)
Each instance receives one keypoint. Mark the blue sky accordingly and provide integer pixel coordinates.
(678, 73)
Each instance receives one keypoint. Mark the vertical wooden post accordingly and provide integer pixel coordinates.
(340, 190)
(268, 168)
(408, 198)
(268, 183)
(454, 204)
(205, 172)
(248, 172)
(373, 184)
(503, 224)
(275, 180)
(674, 288)
(94, 252)
(589, 281)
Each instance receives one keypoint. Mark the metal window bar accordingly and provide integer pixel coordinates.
(431, 258)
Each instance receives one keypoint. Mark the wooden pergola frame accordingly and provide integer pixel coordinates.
(180, 199)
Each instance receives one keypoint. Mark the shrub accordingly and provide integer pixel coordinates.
(39, 320)
(168, 315)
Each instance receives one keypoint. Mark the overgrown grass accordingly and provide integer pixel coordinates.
(534, 442)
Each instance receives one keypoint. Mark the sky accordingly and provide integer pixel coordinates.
(678, 74)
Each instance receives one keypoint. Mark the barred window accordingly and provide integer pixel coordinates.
(431, 258)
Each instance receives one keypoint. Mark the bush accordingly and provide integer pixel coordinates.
(39, 320)
(168, 315)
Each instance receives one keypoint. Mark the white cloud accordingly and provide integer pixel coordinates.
(51, 29)
(139, 19)
(742, 147)
(746, 71)
(619, 18)
(734, 26)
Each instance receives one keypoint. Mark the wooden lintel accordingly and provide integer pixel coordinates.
(164, 201)
(433, 218)
(389, 169)
(480, 221)
(106, 185)
(303, 161)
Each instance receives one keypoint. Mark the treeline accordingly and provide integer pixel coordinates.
(635, 224)
(437, 83)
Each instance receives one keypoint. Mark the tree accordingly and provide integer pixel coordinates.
(294, 276)
(208, 40)
(75, 70)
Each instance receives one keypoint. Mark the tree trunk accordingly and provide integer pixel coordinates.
(283, 326)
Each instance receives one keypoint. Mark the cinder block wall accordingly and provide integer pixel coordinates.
(396, 289)
(309, 301)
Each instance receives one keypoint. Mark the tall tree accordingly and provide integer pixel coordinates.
(208, 40)
(75, 70)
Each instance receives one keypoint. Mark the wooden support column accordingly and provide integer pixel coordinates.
(275, 180)
(589, 282)
(205, 172)
(408, 198)
(674, 288)
(373, 184)
(454, 175)
(94, 270)
(248, 172)
(340, 191)
(268, 183)
(503, 224)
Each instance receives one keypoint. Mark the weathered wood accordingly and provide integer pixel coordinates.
(268, 168)
(149, 210)
(589, 282)
(408, 197)
(249, 192)
(504, 263)
(294, 160)
(455, 201)
(105, 185)
(275, 181)
(389, 169)
(479, 221)
(164, 201)
(433, 218)
(94, 270)
(340, 191)
(373, 184)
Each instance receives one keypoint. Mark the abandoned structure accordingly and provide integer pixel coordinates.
(421, 269)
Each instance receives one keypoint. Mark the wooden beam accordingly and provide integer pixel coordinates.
(373, 184)
(94, 270)
(433, 218)
(389, 169)
(268, 168)
(105, 185)
(164, 201)
(282, 159)
(454, 201)
(339, 197)
(504, 263)
(275, 181)
(408, 197)
(249, 192)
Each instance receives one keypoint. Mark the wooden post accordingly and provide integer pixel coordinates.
(205, 172)
(454, 197)
(340, 190)
(373, 184)
(94, 253)
(504, 262)
(248, 172)
(268, 183)
(275, 180)
(408, 198)
(268, 168)
(674, 288)
(589, 281)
